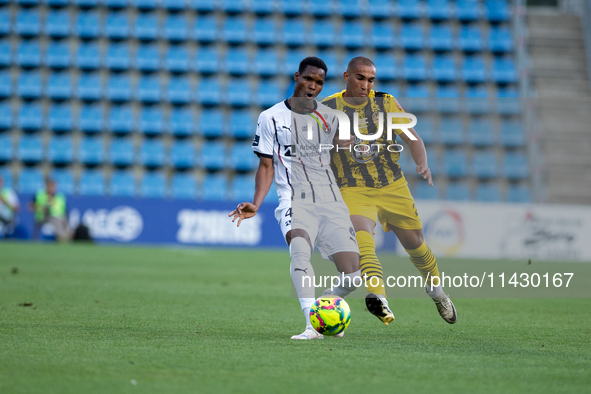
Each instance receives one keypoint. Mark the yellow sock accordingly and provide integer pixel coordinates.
(423, 258)
(370, 265)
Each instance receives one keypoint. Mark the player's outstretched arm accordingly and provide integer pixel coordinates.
(263, 181)
(419, 155)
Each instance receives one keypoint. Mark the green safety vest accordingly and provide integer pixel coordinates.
(57, 208)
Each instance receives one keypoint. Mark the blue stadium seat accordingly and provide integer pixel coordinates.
(382, 36)
(214, 187)
(122, 184)
(179, 90)
(385, 66)
(504, 71)
(5, 53)
(455, 163)
(412, 37)
(60, 118)
(91, 151)
(213, 155)
(121, 120)
(330, 58)
(149, 89)
(181, 122)
(92, 183)
(27, 22)
(147, 58)
(353, 34)
(30, 116)
(182, 154)
(468, 10)
(146, 27)
(417, 99)
(414, 67)
(173, 5)
(497, 10)
(234, 6)
(4, 22)
(64, 178)
(59, 86)
(473, 70)
(457, 191)
(242, 124)
(6, 115)
(115, 4)
(119, 87)
(175, 28)
(488, 192)
(242, 158)
(57, 23)
(292, 61)
(91, 118)
(151, 153)
(481, 133)
(208, 61)
(477, 101)
(470, 39)
(234, 30)
(451, 130)
(28, 54)
(324, 33)
(332, 86)
(209, 91)
(211, 123)
(177, 59)
(438, 10)
(237, 61)
(86, 3)
(444, 68)
(206, 29)
(57, 3)
(90, 87)
(507, 101)
(30, 180)
(351, 8)
(57, 55)
(145, 4)
(485, 165)
(518, 194)
(29, 85)
(409, 9)
(88, 25)
(5, 83)
(447, 99)
(263, 7)
(292, 7)
(121, 152)
(153, 185)
(5, 148)
(500, 40)
(515, 166)
(151, 120)
(426, 130)
(425, 192)
(265, 31)
(266, 63)
(238, 93)
(512, 135)
(89, 56)
(440, 38)
(268, 94)
(30, 148)
(117, 25)
(294, 32)
(380, 9)
(242, 187)
(320, 9)
(118, 57)
(184, 186)
(202, 6)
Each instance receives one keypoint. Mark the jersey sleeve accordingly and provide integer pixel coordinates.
(264, 137)
(392, 105)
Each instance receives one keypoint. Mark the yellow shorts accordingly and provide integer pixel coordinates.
(392, 204)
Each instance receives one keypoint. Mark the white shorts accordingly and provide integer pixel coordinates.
(328, 225)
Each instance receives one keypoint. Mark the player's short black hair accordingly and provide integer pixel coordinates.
(314, 62)
(359, 60)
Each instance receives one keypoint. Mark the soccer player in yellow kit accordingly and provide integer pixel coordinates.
(373, 185)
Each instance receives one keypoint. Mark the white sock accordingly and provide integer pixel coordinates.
(307, 316)
(436, 292)
(349, 284)
(302, 274)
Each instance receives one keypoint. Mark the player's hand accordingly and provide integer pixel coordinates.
(425, 172)
(243, 211)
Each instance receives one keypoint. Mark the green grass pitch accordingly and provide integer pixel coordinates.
(158, 320)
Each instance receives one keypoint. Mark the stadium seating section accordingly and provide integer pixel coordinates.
(159, 98)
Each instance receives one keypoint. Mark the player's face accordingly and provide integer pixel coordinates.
(360, 82)
(309, 83)
(50, 187)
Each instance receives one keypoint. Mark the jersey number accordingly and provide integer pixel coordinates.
(288, 212)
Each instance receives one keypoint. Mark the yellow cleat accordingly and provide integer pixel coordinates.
(378, 306)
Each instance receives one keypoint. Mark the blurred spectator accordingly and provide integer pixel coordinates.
(9, 206)
(50, 208)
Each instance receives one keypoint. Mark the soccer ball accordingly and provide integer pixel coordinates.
(330, 315)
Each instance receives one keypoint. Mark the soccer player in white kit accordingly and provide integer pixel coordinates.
(311, 211)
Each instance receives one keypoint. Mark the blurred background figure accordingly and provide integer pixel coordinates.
(9, 206)
(50, 208)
